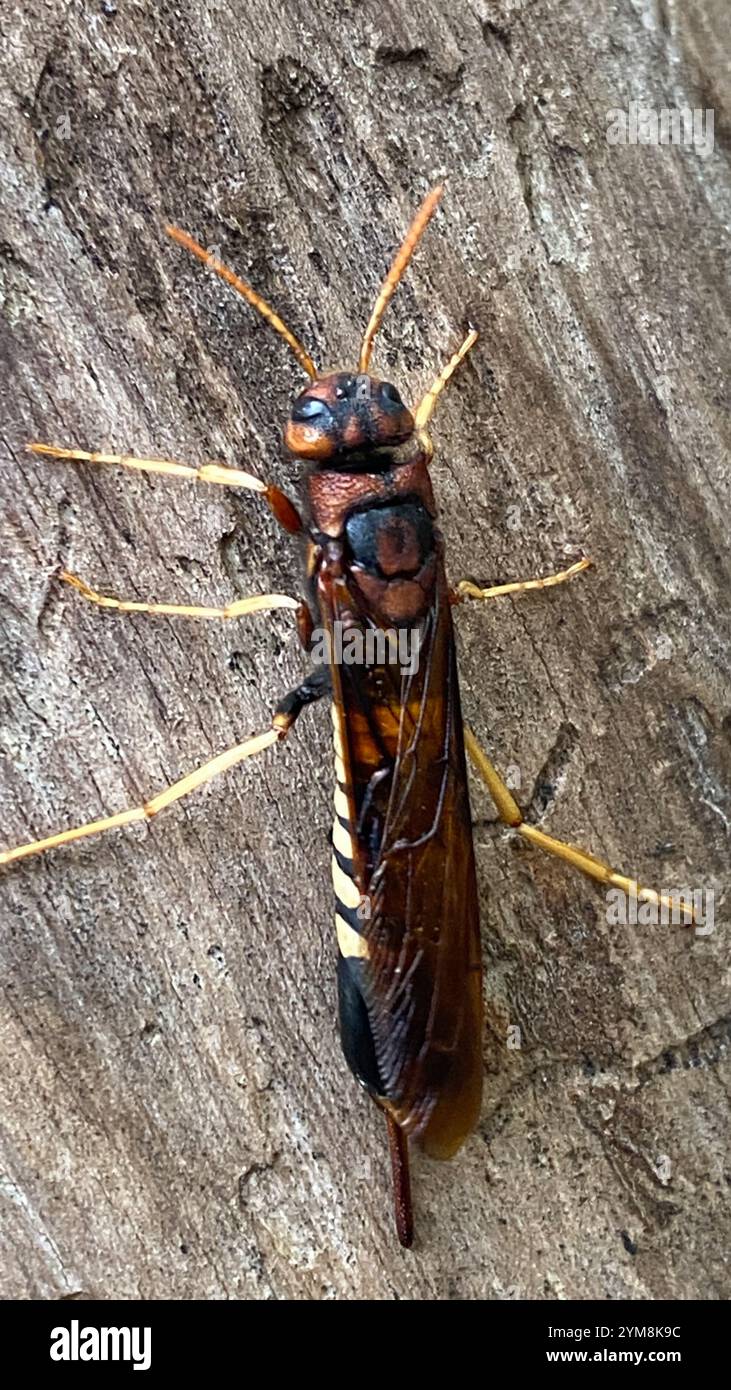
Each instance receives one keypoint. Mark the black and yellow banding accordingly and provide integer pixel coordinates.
(348, 898)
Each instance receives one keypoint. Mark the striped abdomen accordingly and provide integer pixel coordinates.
(351, 916)
(349, 902)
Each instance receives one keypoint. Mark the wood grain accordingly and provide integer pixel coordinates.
(177, 1120)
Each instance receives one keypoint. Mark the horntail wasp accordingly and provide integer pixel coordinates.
(407, 927)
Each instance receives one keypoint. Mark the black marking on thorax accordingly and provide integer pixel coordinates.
(391, 537)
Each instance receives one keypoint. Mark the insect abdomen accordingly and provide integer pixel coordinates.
(348, 899)
(355, 1031)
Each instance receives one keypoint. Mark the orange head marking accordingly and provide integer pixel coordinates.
(347, 414)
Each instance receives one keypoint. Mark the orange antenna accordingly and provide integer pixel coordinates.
(400, 262)
(251, 296)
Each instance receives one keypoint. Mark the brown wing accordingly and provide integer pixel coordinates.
(407, 785)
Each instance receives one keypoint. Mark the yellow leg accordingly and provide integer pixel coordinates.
(158, 803)
(466, 589)
(426, 406)
(511, 814)
(284, 510)
(285, 715)
(259, 603)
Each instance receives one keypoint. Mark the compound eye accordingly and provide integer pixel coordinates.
(391, 397)
(309, 409)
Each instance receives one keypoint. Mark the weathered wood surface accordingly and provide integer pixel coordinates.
(176, 1116)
